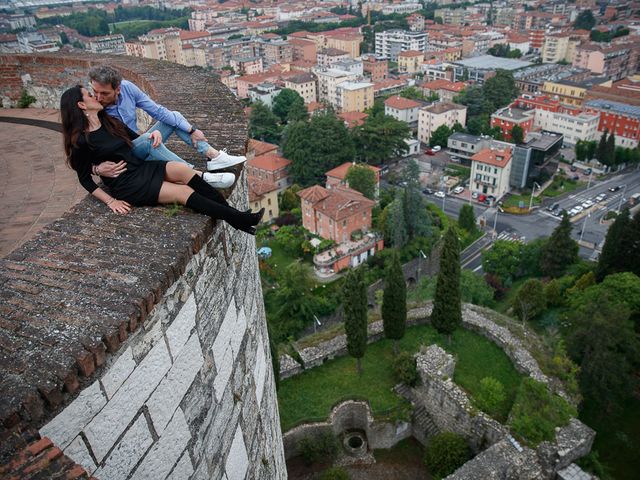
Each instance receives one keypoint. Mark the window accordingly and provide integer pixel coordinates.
(269, 201)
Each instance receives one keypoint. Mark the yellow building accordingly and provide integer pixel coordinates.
(305, 84)
(568, 93)
(409, 61)
(263, 194)
(354, 96)
(345, 42)
(559, 48)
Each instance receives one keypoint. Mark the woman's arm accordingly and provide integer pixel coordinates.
(117, 206)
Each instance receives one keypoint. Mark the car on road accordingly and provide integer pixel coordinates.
(553, 207)
(474, 195)
(557, 212)
(439, 194)
(601, 197)
(578, 208)
(615, 188)
(429, 151)
(427, 191)
(458, 190)
(587, 204)
(436, 148)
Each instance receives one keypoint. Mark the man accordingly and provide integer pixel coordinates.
(121, 98)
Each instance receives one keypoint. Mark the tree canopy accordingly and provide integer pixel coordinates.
(284, 102)
(585, 20)
(394, 301)
(467, 219)
(380, 138)
(263, 124)
(440, 136)
(616, 252)
(363, 179)
(447, 309)
(560, 251)
(316, 147)
(355, 314)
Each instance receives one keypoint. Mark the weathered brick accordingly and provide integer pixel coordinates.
(39, 446)
(86, 363)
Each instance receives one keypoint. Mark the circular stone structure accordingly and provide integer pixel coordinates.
(355, 443)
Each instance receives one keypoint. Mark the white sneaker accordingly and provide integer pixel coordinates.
(224, 160)
(219, 180)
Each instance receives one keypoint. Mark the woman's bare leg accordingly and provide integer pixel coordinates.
(172, 192)
(176, 172)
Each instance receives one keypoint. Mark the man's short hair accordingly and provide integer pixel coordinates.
(106, 75)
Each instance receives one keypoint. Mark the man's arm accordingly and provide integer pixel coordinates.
(158, 112)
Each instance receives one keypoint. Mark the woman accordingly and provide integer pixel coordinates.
(92, 137)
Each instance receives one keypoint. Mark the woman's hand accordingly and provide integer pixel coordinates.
(119, 206)
(110, 169)
(156, 138)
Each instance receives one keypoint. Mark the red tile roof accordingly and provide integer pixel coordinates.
(261, 147)
(444, 85)
(411, 53)
(337, 203)
(496, 158)
(259, 188)
(340, 171)
(353, 119)
(400, 103)
(269, 161)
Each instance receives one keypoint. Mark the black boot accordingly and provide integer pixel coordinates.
(238, 220)
(203, 188)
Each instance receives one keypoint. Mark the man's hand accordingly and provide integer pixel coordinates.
(198, 136)
(111, 169)
(156, 138)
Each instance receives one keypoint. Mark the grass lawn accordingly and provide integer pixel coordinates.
(514, 201)
(311, 395)
(279, 259)
(561, 185)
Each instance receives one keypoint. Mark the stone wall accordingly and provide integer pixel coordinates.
(138, 343)
(349, 415)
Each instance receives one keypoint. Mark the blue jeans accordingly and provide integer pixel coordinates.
(167, 130)
(142, 148)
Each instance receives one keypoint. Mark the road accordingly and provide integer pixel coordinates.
(588, 228)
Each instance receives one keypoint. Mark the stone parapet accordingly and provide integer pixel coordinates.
(138, 343)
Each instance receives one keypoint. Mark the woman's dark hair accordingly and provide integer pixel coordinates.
(75, 123)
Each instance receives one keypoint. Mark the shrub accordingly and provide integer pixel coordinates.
(499, 290)
(537, 412)
(25, 100)
(323, 448)
(404, 368)
(446, 453)
(552, 293)
(491, 395)
(335, 473)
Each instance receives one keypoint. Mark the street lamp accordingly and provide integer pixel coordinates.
(589, 182)
(583, 226)
(495, 223)
(533, 189)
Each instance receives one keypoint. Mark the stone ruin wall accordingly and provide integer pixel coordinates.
(137, 344)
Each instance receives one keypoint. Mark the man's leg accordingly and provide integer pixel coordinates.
(142, 148)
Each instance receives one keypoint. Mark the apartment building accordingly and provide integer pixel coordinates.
(410, 61)
(441, 113)
(559, 47)
(478, 69)
(275, 52)
(328, 80)
(402, 109)
(377, 69)
(305, 84)
(326, 57)
(247, 65)
(303, 49)
(445, 89)
(614, 61)
(272, 168)
(349, 65)
(490, 172)
(354, 96)
(508, 117)
(107, 44)
(347, 42)
(621, 119)
(389, 44)
(416, 22)
(263, 194)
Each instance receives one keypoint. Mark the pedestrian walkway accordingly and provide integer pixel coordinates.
(36, 186)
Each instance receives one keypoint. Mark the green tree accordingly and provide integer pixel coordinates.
(446, 452)
(491, 395)
(552, 293)
(615, 254)
(284, 101)
(447, 311)
(467, 219)
(311, 154)
(561, 250)
(355, 314)
(263, 124)
(634, 248)
(412, 93)
(380, 138)
(530, 301)
(503, 260)
(362, 179)
(611, 150)
(394, 302)
(475, 100)
(440, 136)
(581, 150)
(604, 344)
(517, 134)
(297, 113)
(601, 150)
(395, 228)
(295, 301)
(289, 198)
(501, 89)
(416, 218)
(585, 20)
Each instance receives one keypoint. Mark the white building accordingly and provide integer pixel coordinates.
(402, 109)
(390, 43)
(305, 84)
(107, 44)
(264, 92)
(438, 114)
(328, 80)
(490, 171)
(583, 126)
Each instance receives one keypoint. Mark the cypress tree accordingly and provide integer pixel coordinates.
(355, 314)
(447, 311)
(394, 302)
(601, 149)
(611, 150)
(466, 218)
(634, 248)
(560, 251)
(615, 256)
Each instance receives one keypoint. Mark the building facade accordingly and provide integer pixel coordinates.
(441, 113)
(490, 171)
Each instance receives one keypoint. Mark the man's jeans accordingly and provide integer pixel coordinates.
(167, 130)
(142, 148)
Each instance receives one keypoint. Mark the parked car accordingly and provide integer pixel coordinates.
(455, 159)
(578, 208)
(437, 148)
(439, 194)
(474, 195)
(601, 197)
(587, 204)
(588, 171)
(427, 191)
(575, 178)
(553, 207)
(458, 190)
(429, 151)
(573, 168)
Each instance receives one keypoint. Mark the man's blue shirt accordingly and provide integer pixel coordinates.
(131, 97)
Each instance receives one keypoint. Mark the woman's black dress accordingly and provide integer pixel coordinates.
(139, 184)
